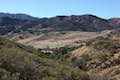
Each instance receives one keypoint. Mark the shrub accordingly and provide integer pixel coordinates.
(103, 55)
(18, 62)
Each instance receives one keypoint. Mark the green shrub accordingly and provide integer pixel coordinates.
(103, 55)
(18, 62)
(81, 62)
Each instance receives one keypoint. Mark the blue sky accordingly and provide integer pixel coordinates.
(50, 8)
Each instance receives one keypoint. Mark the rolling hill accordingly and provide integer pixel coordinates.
(56, 31)
(18, 62)
(77, 47)
(24, 23)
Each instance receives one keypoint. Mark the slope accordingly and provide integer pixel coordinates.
(18, 62)
(100, 56)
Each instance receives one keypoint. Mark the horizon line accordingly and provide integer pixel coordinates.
(17, 13)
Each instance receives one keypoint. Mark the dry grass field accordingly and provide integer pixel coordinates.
(58, 39)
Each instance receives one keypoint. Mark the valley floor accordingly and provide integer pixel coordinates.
(57, 39)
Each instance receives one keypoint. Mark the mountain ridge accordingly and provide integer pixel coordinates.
(84, 23)
(17, 16)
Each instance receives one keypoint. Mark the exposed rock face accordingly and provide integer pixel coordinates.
(115, 22)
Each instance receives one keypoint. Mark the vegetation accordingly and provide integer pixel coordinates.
(62, 53)
(107, 44)
(103, 56)
(18, 62)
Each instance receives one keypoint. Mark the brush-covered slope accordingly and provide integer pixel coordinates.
(86, 22)
(100, 56)
(18, 62)
(26, 23)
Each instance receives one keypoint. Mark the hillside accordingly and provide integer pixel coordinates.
(25, 23)
(18, 62)
(56, 31)
(83, 47)
(17, 16)
(88, 23)
(100, 56)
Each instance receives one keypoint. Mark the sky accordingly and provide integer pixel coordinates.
(50, 8)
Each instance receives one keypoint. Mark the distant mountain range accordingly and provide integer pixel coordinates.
(22, 22)
(17, 16)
